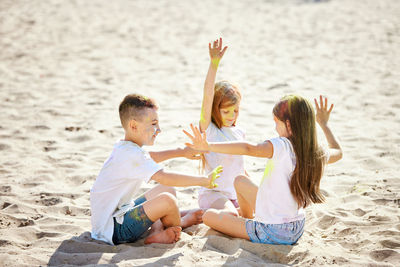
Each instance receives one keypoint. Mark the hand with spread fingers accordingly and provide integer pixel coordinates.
(213, 175)
(216, 52)
(199, 140)
(322, 114)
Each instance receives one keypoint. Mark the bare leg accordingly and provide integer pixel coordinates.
(188, 217)
(226, 223)
(191, 217)
(151, 194)
(224, 204)
(246, 192)
(158, 189)
(165, 208)
(163, 211)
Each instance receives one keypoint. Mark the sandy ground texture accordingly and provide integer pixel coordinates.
(66, 65)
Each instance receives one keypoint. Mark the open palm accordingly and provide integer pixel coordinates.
(216, 51)
(322, 115)
(199, 141)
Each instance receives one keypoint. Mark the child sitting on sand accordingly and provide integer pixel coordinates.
(291, 177)
(115, 217)
(219, 112)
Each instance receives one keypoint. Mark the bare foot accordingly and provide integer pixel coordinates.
(156, 227)
(192, 217)
(167, 236)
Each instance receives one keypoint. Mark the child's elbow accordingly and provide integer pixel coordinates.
(159, 177)
(335, 155)
(340, 154)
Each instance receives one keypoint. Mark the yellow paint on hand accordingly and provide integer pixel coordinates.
(215, 174)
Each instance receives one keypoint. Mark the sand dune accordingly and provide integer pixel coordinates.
(66, 65)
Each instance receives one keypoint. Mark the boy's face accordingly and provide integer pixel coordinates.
(229, 115)
(147, 128)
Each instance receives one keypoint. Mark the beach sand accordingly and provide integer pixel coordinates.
(66, 65)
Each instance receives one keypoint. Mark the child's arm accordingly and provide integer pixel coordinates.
(216, 53)
(322, 117)
(261, 150)
(186, 152)
(182, 180)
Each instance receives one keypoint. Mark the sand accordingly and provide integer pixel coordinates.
(66, 65)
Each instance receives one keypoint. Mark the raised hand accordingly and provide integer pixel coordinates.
(213, 175)
(199, 140)
(216, 51)
(322, 115)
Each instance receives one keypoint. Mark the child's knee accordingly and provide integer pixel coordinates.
(239, 180)
(209, 216)
(169, 189)
(168, 199)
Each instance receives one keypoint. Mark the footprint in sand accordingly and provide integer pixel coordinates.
(51, 201)
(5, 189)
(44, 234)
(384, 254)
(326, 221)
(4, 147)
(390, 244)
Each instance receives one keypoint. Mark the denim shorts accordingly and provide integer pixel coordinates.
(135, 224)
(276, 234)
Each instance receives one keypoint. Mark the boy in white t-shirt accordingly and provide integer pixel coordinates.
(116, 218)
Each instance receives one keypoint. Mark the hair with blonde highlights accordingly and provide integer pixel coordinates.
(226, 94)
(306, 177)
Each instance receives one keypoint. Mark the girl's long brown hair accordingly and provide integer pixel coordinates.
(306, 177)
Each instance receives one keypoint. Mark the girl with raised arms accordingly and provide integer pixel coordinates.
(219, 112)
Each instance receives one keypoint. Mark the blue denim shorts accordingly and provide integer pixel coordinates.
(135, 224)
(276, 234)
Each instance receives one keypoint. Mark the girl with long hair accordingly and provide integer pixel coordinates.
(273, 213)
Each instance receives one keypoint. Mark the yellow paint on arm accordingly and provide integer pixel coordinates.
(202, 117)
(215, 62)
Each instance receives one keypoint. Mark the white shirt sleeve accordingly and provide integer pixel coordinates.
(144, 167)
(211, 130)
(278, 146)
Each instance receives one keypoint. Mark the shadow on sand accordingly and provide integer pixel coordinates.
(83, 250)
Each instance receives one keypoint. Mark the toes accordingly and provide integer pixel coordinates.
(177, 231)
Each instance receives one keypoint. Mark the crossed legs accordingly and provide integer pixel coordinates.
(162, 208)
(226, 222)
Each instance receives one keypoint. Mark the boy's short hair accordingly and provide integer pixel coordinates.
(132, 107)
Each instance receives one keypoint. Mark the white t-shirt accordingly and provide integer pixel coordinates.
(118, 181)
(233, 164)
(275, 203)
